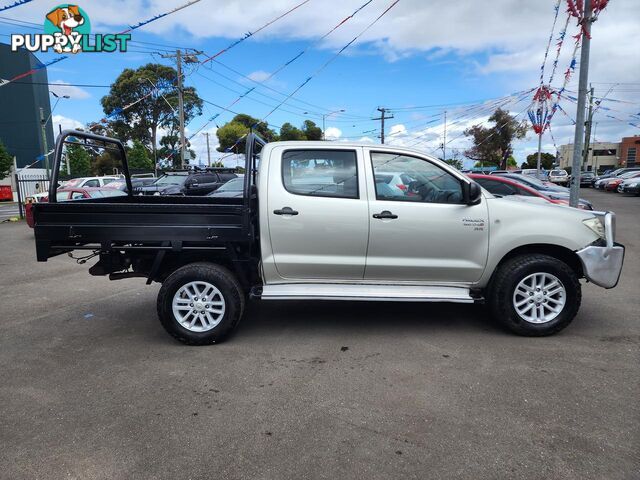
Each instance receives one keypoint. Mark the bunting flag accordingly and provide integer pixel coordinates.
(251, 34)
(158, 17)
(17, 3)
(33, 70)
(556, 8)
(336, 55)
(539, 113)
(289, 62)
(138, 25)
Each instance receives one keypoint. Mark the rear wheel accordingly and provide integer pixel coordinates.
(535, 295)
(200, 303)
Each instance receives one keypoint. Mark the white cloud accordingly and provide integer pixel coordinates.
(332, 133)
(259, 75)
(61, 88)
(65, 122)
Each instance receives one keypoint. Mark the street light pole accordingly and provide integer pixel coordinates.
(325, 115)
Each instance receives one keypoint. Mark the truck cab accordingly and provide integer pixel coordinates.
(341, 221)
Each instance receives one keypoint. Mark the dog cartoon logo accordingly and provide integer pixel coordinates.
(67, 29)
(71, 22)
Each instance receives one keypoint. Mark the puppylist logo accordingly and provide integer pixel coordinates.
(67, 29)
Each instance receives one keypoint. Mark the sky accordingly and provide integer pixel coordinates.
(420, 59)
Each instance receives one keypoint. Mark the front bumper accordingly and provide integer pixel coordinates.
(602, 265)
(628, 189)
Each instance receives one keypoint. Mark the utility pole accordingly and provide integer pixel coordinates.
(208, 149)
(539, 157)
(582, 94)
(382, 118)
(180, 107)
(43, 126)
(587, 135)
(188, 58)
(444, 138)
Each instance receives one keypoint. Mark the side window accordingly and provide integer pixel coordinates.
(409, 179)
(497, 188)
(77, 195)
(321, 173)
(92, 183)
(207, 178)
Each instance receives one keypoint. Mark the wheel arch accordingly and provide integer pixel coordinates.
(559, 252)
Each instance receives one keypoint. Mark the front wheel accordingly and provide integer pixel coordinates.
(200, 303)
(535, 295)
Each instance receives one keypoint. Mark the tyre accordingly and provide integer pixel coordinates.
(535, 295)
(200, 303)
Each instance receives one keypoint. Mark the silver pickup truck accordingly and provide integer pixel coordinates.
(339, 221)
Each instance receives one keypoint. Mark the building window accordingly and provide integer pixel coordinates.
(631, 156)
(604, 153)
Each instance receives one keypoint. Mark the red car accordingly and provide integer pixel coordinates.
(612, 185)
(501, 187)
(71, 193)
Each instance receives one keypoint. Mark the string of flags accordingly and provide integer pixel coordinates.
(131, 28)
(17, 3)
(251, 34)
(159, 16)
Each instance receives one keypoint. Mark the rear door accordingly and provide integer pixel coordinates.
(317, 213)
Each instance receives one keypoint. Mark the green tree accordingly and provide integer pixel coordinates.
(455, 163)
(6, 161)
(289, 132)
(106, 163)
(79, 161)
(511, 162)
(159, 109)
(546, 161)
(138, 157)
(217, 164)
(493, 145)
(230, 133)
(311, 130)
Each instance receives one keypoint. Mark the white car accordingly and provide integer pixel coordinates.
(82, 182)
(560, 177)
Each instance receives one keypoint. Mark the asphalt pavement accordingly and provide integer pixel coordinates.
(92, 387)
(8, 210)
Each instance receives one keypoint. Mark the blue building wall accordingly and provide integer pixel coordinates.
(20, 103)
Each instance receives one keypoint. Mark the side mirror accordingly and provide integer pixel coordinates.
(473, 193)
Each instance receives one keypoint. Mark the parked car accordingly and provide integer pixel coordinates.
(560, 177)
(614, 173)
(631, 185)
(586, 178)
(503, 187)
(191, 183)
(611, 184)
(548, 189)
(232, 189)
(66, 194)
(533, 172)
(444, 239)
(92, 182)
(135, 183)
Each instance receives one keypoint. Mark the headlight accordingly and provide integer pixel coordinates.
(634, 185)
(595, 225)
(156, 193)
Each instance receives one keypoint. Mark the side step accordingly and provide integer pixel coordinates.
(354, 292)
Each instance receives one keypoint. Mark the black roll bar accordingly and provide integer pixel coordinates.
(251, 155)
(106, 141)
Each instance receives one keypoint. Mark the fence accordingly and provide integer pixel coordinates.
(28, 185)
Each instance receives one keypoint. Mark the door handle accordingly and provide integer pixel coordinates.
(385, 214)
(286, 211)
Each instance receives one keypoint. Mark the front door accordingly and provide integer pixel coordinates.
(318, 213)
(420, 228)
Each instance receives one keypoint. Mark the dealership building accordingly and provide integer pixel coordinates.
(605, 155)
(24, 104)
